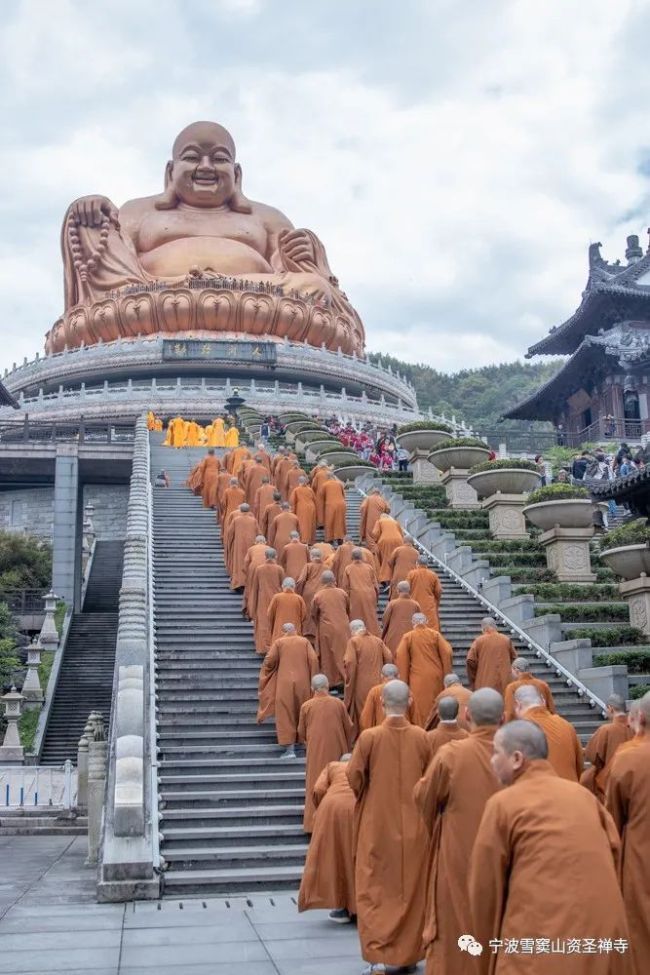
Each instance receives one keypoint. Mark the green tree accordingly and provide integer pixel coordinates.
(25, 562)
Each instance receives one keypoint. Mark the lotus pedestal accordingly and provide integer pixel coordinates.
(636, 593)
(423, 470)
(507, 520)
(459, 492)
(567, 553)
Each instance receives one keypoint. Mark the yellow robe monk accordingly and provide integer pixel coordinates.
(543, 865)
(525, 679)
(308, 584)
(403, 560)
(451, 797)
(628, 801)
(373, 710)
(243, 532)
(266, 584)
(564, 748)
(294, 558)
(489, 661)
(209, 480)
(327, 731)
(286, 607)
(392, 842)
(329, 611)
(364, 657)
(423, 658)
(600, 750)
(334, 510)
(151, 420)
(280, 530)
(397, 620)
(176, 432)
(426, 588)
(460, 694)
(303, 505)
(232, 437)
(387, 535)
(360, 583)
(328, 877)
(445, 732)
(218, 435)
(285, 684)
(371, 508)
(192, 438)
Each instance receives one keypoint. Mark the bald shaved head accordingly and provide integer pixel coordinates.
(315, 554)
(270, 553)
(320, 683)
(448, 708)
(357, 626)
(404, 587)
(327, 577)
(450, 679)
(395, 696)
(485, 707)
(288, 628)
(260, 539)
(520, 665)
(616, 703)
(515, 745)
(346, 757)
(357, 554)
(389, 671)
(527, 697)
(487, 623)
(418, 619)
(289, 583)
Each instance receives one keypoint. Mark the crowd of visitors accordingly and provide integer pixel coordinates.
(378, 445)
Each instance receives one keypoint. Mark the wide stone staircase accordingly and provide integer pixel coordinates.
(85, 682)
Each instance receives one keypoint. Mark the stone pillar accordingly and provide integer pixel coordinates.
(32, 691)
(636, 593)
(567, 553)
(49, 635)
(66, 558)
(97, 750)
(82, 760)
(460, 493)
(12, 752)
(505, 512)
(423, 470)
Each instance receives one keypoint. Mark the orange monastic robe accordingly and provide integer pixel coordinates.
(445, 732)
(540, 686)
(266, 584)
(270, 512)
(326, 728)
(243, 531)
(365, 655)
(371, 508)
(285, 684)
(388, 536)
(223, 483)
(600, 750)
(403, 560)
(461, 694)
(392, 841)
(328, 877)
(280, 530)
(254, 477)
(564, 748)
(263, 498)
(303, 505)
(360, 583)
(256, 555)
(286, 607)
(329, 611)
(232, 498)
(423, 658)
(489, 661)
(397, 621)
(334, 510)
(293, 477)
(319, 477)
(307, 585)
(341, 560)
(426, 588)
(294, 558)
(373, 710)
(210, 479)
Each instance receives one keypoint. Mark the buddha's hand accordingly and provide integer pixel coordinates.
(298, 246)
(92, 211)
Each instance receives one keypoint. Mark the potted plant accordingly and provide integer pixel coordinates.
(422, 435)
(561, 506)
(314, 449)
(461, 453)
(626, 550)
(348, 473)
(504, 477)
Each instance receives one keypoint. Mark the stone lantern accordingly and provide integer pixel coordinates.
(12, 752)
(32, 690)
(49, 636)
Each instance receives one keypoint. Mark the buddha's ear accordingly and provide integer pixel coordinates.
(168, 199)
(238, 201)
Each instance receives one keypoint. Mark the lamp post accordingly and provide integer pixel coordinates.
(12, 752)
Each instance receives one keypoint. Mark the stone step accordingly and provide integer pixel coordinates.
(218, 857)
(283, 777)
(232, 881)
(195, 837)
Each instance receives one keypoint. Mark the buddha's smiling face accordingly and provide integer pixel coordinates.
(203, 169)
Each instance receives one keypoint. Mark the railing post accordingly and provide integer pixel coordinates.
(82, 430)
(26, 427)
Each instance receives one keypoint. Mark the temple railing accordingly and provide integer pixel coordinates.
(615, 429)
(29, 428)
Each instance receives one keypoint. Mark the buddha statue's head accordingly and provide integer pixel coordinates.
(202, 172)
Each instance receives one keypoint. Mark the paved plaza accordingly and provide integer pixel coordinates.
(50, 923)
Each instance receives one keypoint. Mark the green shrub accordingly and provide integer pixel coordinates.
(424, 425)
(25, 562)
(638, 661)
(613, 636)
(587, 612)
(507, 464)
(554, 591)
(511, 558)
(557, 492)
(461, 442)
(639, 691)
(512, 545)
(520, 573)
(635, 532)
(27, 725)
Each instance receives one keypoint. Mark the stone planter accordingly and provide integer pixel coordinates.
(564, 513)
(349, 474)
(461, 458)
(458, 491)
(504, 480)
(421, 439)
(628, 561)
(339, 458)
(317, 448)
(636, 593)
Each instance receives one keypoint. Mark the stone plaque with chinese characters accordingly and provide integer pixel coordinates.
(263, 353)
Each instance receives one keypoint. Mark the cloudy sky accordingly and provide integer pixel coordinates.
(455, 158)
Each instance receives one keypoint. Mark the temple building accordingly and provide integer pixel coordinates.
(601, 390)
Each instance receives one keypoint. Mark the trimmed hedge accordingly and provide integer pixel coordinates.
(461, 442)
(587, 612)
(639, 691)
(553, 591)
(557, 492)
(499, 465)
(424, 425)
(638, 661)
(511, 558)
(613, 636)
(512, 545)
(520, 573)
(635, 532)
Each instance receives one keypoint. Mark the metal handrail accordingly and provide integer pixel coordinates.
(151, 640)
(540, 651)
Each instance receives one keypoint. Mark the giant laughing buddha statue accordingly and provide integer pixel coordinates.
(200, 258)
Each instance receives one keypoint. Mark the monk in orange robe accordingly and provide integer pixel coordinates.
(308, 583)
(256, 475)
(334, 509)
(266, 584)
(223, 483)
(628, 801)
(522, 877)
(365, 655)
(373, 710)
(285, 684)
(330, 615)
(392, 841)
(564, 748)
(400, 563)
(294, 557)
(263, 497)
(209, 479)
(448, 728)
(520, 676)
(634, 724)
(388, 535)
(360, 583)
(342, 558)
(328, 877)
(398, 617)
(270, 512)
(303, 505)
(287, 607)
(233, 496)
(371, 508)
(451, 797)
(281, 527)
(490, 657)
(242, 534)
(294, 477)
(256, 555)
(327, 730)
(452, 687)
(426, 588)
(423, 658)
(318, 477)
(237, 458)
(603, 746)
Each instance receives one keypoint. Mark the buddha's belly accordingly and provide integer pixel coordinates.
(221, 254)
